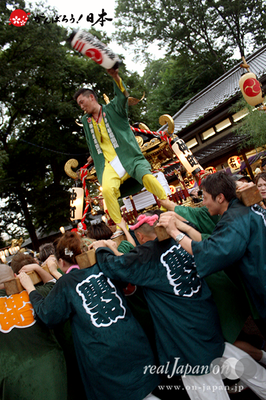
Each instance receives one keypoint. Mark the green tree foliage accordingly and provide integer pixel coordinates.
(37, 79)
(203, 28)
(201, 39)
(253, 127)
(39, 73)
(241, 24)
(171, 83)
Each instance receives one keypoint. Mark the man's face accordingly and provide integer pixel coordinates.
(214, 207)
(85, 103)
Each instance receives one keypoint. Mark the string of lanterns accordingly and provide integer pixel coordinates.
(10, 251)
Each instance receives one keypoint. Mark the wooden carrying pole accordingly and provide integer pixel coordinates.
(249, 196)
(88, 258)
(14, 286)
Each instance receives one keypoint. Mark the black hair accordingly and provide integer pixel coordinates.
(217, 183)
(99, 231)
(154, 212)
(46, 250)
(85, 92)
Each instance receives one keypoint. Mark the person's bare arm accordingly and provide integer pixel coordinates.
(98, 243)
(189, 230)
(168, 204)
(26, 282)
(184, 227)
(241, 186)
(169, 223)
(106, 243)
(45, 276)
(52, 265)
(114, 74)
(90, 160)
(262, 205)
(113, 246)
(128, 236)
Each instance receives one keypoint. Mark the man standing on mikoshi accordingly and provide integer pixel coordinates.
(113, 147)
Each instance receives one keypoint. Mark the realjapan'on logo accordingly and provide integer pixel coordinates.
(230, 368)
(233, 369)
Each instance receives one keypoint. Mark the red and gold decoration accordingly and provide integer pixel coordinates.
(161, 134)
(177, 145)
(202, 175)
(163, 151)
(172, 188)
(83, 173)
(212, 170)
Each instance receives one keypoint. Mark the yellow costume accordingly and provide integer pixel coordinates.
(111, 181)
(112, 142)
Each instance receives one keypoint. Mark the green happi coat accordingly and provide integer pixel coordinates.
(115, 115)
(137, 303)
(32, 365)
(239, 241)
(200, 217)
(230, 300)
(112, 349)
(185, 318)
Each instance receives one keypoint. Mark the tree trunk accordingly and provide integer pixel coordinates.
(28, 222)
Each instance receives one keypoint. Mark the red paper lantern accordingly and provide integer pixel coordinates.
(212, 170)
(234, 163)
(172, 188)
